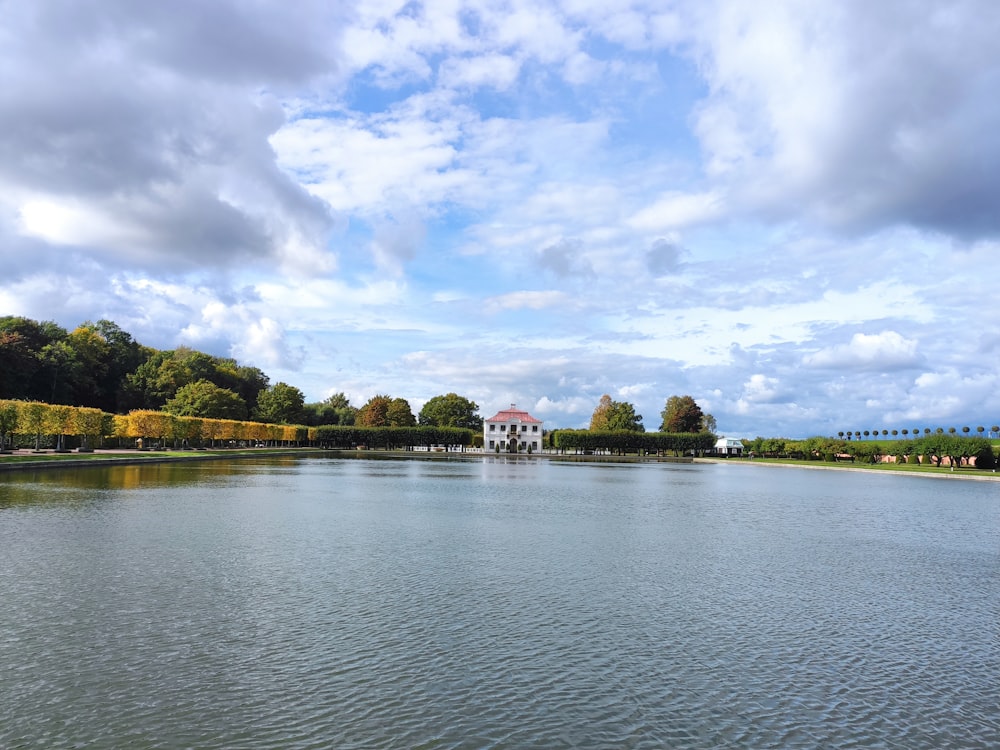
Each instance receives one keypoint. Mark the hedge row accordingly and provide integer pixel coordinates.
(625, 441)
(51, 423)
(341, 437)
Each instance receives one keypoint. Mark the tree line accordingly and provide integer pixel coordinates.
(932, 449)
(101, 366)
(681, 414)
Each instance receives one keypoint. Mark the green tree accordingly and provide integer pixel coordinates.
(615, 415)
(335, 409)
(91, 352)
(681, 414)
(451, 410)
(282, 404)
(61, 368)
(205, 399)
(124, 355)
(24, 372)
(400, 414)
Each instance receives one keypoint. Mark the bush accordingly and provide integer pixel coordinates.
(985, 459)
(913, 458)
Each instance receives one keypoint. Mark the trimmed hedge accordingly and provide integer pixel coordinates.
(626, 441)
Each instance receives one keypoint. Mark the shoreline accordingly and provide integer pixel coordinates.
(866, 469)
(48, 459)
(131, 457)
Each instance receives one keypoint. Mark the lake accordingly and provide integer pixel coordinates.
(497, 603)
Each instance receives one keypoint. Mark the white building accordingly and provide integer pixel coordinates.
(728, 447)
(513, 431)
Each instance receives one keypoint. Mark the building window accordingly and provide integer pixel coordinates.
(492, 444)
(534, 428)
(493, 428)
(503, 428)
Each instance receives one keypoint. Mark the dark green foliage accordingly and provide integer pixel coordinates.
(615, 416)
(451, 410)
(335, 409)
(29, 367)
(391, 437)
(207, 400)
(99, 365)
(682, 414)
(400, 414)
(628, 441)
(281, 404)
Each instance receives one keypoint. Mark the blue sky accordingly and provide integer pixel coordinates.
(788, 211)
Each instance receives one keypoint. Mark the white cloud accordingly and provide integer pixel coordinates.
(677, 211)
(526, 300)
(835, 112)
(492, 71)
(879, 351)
(761, 389)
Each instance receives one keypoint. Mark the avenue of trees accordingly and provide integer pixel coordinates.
(57, 425)
(934, 449)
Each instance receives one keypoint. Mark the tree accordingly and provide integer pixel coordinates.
(89, 424)
(207, 400)
(681, 414)
(124, 354)
(451, 410)
(24, 372)
(282, 404)
(91, 352)
(615, 415)
(400, 414)
(375, 412)
(335, 409)
(61, 367)
(31, 417)
(247, 382)
(708, 424)
(8, 422)
(60, 421)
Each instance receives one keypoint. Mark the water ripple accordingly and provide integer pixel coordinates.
(469, 605)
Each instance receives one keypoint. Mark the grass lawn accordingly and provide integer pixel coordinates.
(861, 466)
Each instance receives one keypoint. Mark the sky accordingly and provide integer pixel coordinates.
(788, 210)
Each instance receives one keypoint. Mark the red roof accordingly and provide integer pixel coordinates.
(513, 413)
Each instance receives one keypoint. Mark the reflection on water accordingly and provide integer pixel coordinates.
(479, 603)
(67, 484)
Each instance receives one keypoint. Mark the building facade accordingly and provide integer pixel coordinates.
(729, 447)
(512, 430)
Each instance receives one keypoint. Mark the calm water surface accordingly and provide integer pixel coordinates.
(330, 603)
